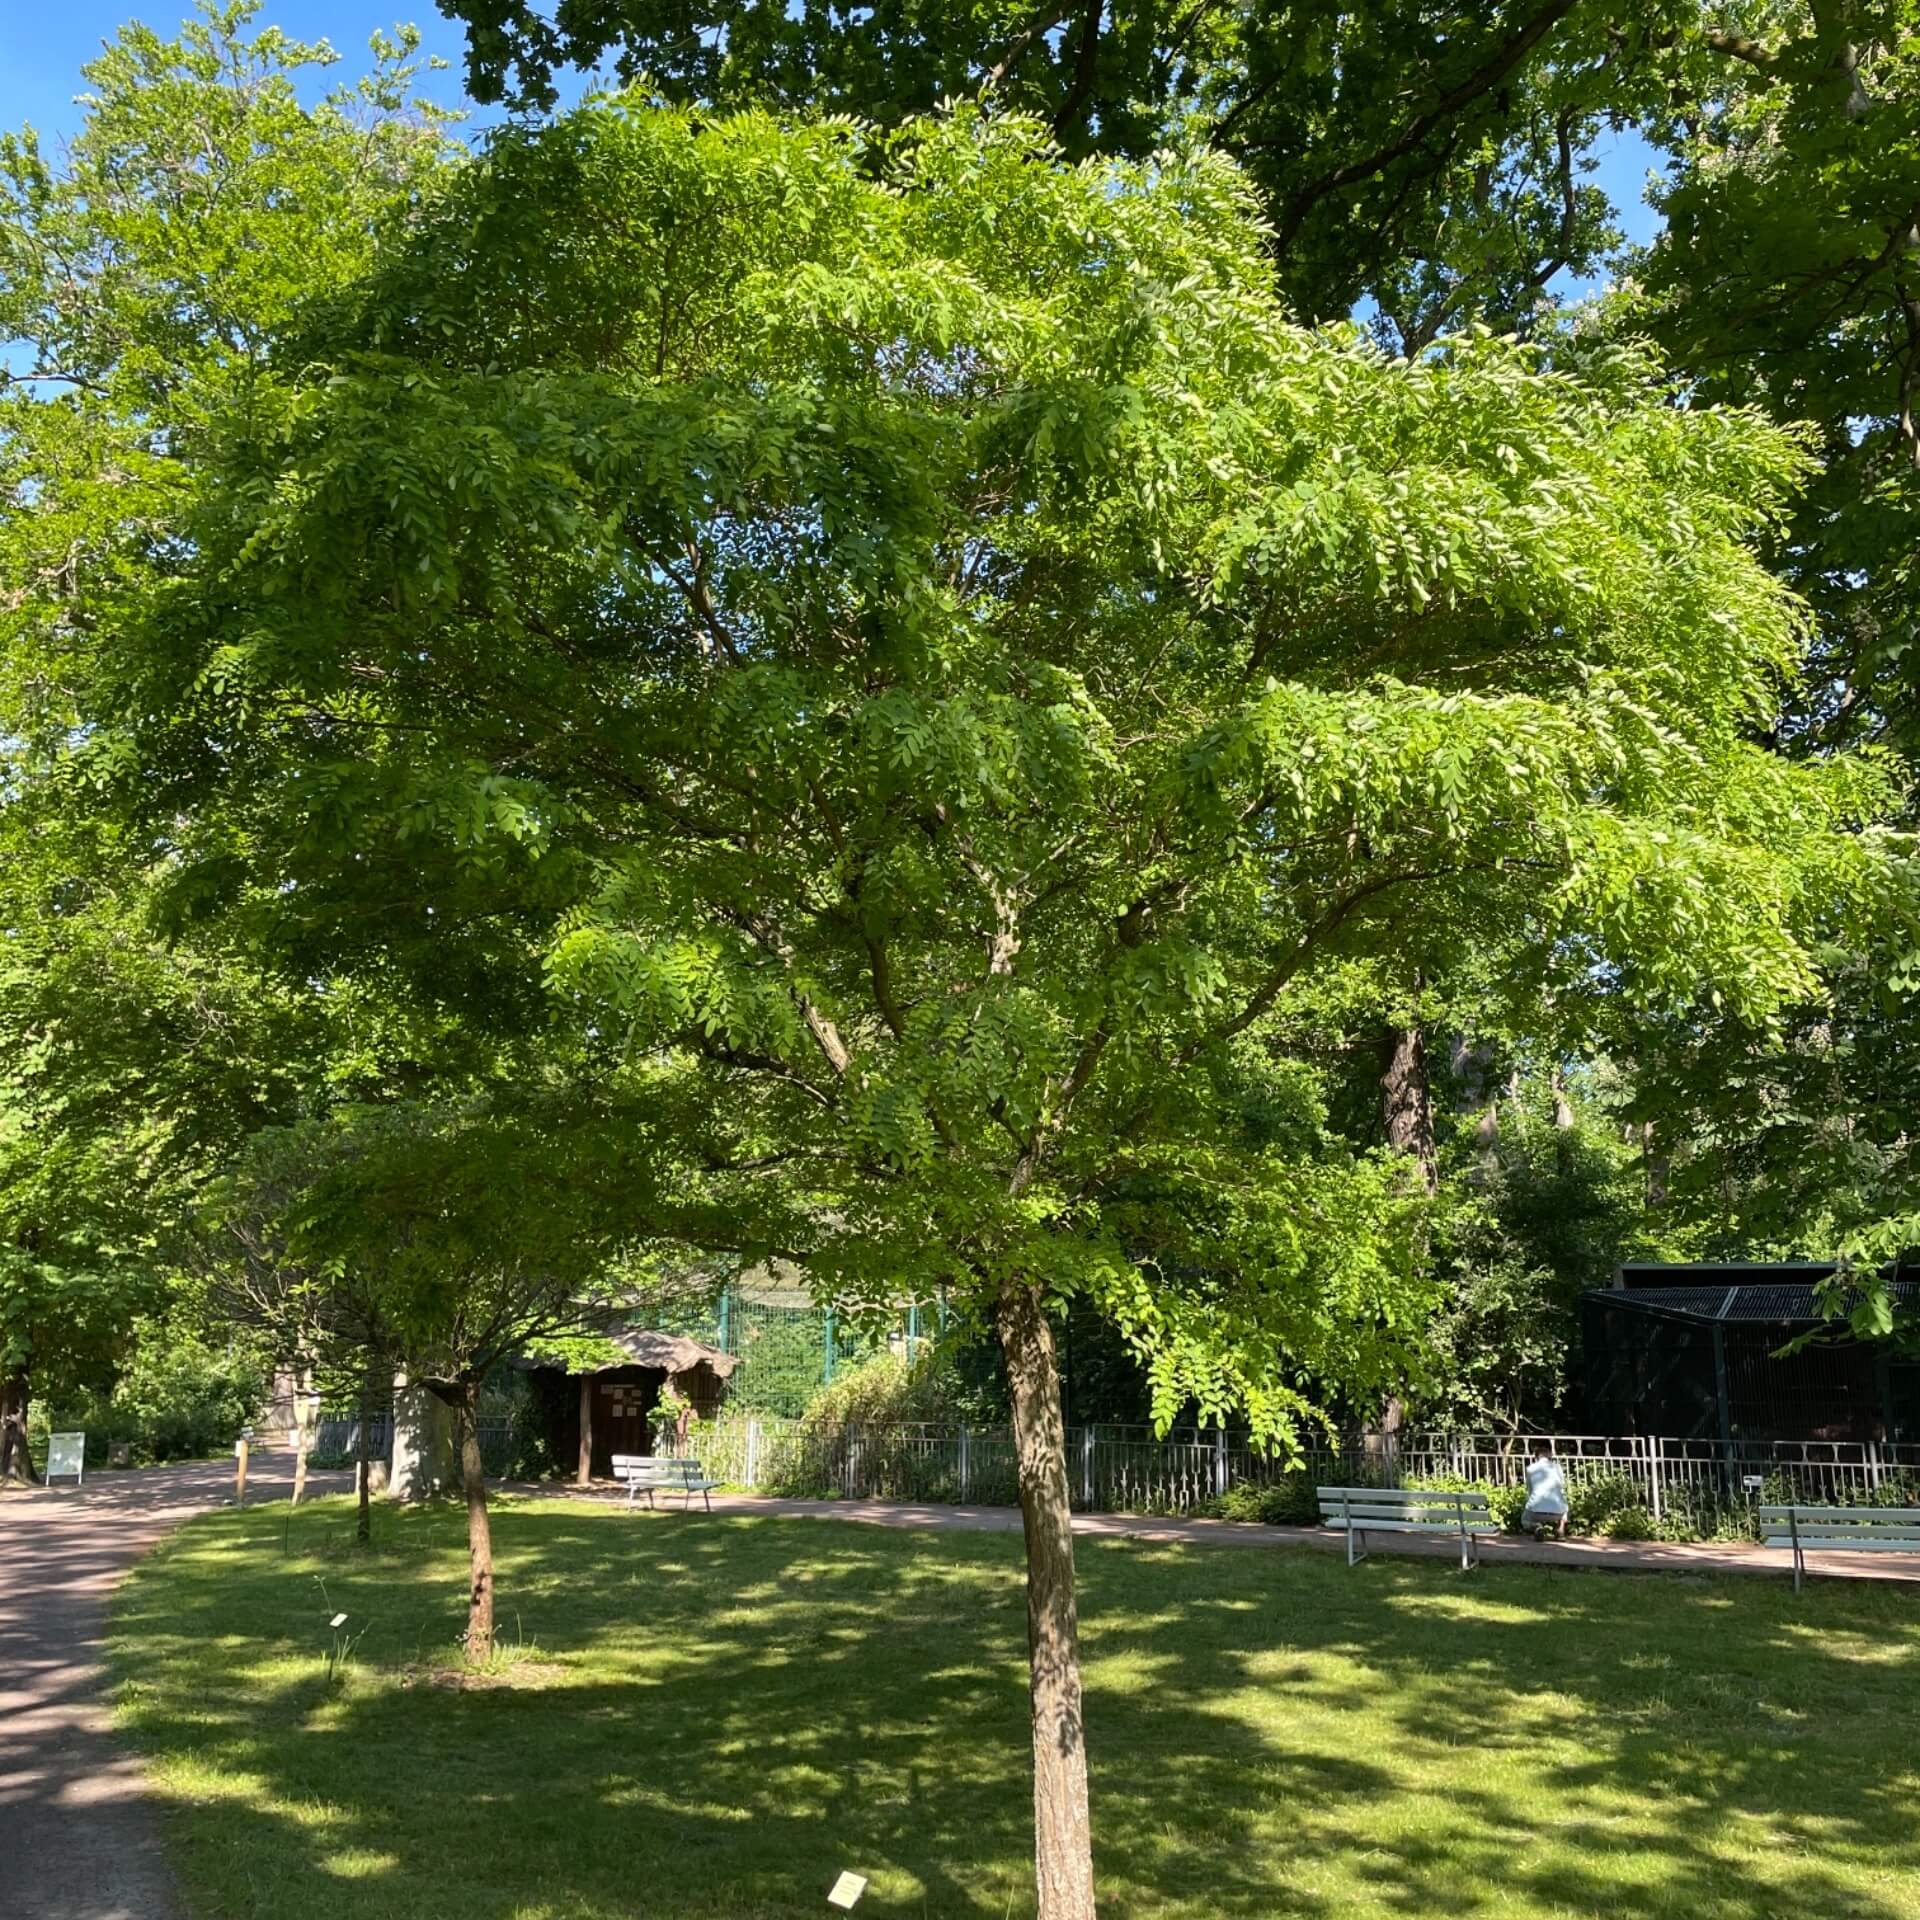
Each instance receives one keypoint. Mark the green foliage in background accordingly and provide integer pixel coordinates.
(175, 1397)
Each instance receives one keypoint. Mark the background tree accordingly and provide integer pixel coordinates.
(142, 275)
(452, 1240)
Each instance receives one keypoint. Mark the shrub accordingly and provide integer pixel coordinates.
(1507, 1504)
(1593, 1500)
(886, 1390)
(1504, 1502)
(181, 1399)
(1629, 1523)
(177, 1398)
(1290, 1501)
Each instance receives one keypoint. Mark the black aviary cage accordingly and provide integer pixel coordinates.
(1705, 1352)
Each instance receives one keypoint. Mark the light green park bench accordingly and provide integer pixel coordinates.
(650, 1473)
(1365, 1510)
(1807, 1530)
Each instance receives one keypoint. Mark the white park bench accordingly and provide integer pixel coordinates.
(1365, 1510)
(652, 1473)
(1839, 1530)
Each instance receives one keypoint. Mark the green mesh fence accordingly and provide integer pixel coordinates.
(788, 1351)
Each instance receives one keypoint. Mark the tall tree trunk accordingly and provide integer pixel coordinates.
(16, 1460)
(479, 1533)
(363, 1467)
(1406, 1111)
(1406, 1101)
(303, 1423)
(1472, 1064)
(1655, 1167)
(1062, 1831)
(1564, 1120)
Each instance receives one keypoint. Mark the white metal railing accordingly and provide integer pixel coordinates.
(1130, 1469)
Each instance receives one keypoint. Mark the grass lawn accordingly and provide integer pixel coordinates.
(716, 1714)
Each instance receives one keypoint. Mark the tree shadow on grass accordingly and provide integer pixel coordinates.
(743, 1706)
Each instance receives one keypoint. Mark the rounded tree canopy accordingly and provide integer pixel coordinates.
(908, 628)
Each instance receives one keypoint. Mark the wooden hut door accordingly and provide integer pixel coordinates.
(620, 1415)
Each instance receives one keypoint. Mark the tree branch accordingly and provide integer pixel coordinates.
(1017, 47)
(1481, 81)
(1086, 70)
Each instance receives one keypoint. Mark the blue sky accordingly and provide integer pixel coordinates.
(43, 44)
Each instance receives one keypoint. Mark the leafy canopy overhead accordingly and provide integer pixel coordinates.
(919, 648)
(145, 271)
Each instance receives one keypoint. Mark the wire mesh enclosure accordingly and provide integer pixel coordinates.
(1739, 1354)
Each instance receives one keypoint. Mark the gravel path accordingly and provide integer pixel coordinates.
(78, 1838)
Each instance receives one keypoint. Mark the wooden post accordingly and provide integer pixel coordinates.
(584, 1473)
(240, 1471)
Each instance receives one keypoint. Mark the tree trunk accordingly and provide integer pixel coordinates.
(1472, 1064)
(363, 1468)
(16, 1461)
(479, 1533)
(303, 1409)
(1062, 1832)
(1406, 1101)
(1655, 1167)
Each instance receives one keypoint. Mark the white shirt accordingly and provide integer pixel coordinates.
(1546, 1488)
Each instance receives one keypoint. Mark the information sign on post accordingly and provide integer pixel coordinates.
(67, 1454)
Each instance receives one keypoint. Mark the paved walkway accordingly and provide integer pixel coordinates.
(1616, 1556)
(78, 1838)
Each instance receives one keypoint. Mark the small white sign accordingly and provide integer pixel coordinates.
(1753, 1482)
(846, 1890)
(67, 1453)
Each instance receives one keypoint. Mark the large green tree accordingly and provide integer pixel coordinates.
(144, 272)
(908, 632)
(1432, 159)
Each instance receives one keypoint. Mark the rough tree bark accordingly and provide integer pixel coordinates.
(16, 1460)
(1406, 1111)
(363, 1468)
(303, 1411)
(1062, 1830)
(479, 1532)
(1406, 1101)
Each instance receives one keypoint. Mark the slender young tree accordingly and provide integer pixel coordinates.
(450, 1240)
(908, 632)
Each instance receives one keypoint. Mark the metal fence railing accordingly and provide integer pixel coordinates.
(336, 1436)
(1130, 1469)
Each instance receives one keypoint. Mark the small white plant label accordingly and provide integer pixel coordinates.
(846, 1890)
